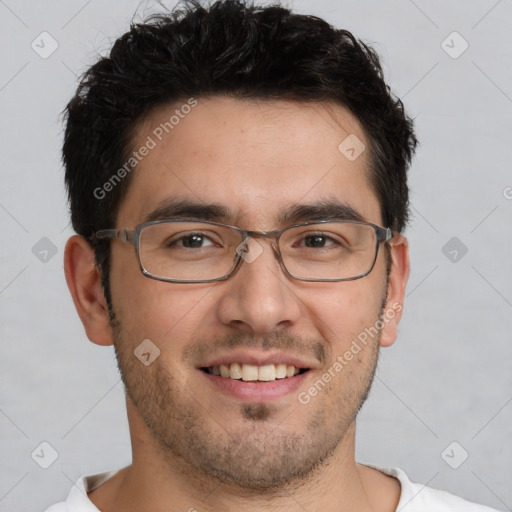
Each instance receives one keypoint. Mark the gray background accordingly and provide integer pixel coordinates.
(447, 378)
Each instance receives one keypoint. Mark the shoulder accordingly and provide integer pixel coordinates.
(78, 500)
(58, 507)
(420, 498)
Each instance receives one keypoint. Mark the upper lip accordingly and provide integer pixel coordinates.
(259, 358)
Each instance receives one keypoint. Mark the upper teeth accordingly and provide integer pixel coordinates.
(250, 372)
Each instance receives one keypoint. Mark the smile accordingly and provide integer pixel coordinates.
(254, 373)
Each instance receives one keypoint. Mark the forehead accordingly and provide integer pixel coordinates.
(256, 159)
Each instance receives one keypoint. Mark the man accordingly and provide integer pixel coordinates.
(237, 180)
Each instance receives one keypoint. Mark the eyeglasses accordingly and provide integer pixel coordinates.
(190, 251)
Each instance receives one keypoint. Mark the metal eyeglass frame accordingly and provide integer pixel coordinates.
(133, 237)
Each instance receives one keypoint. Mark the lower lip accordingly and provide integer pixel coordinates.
(257, 391)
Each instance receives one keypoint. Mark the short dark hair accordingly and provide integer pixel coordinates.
(233, 48)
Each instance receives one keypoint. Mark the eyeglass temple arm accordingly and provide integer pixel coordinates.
(384, 234)
(123, 234)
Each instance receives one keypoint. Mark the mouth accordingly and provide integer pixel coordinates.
(257, 376)
(254, 373)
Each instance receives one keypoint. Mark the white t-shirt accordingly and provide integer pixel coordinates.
(413, 498)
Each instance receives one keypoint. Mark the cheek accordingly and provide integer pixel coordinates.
(155, 310)
(343, 311)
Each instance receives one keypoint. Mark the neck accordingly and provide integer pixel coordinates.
(156, 480)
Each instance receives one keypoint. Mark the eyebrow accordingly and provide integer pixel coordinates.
(326, 209)
(185, 208)
(293, 214)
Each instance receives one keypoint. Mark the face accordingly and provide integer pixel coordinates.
(257, 160)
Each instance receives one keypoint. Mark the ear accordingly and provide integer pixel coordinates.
(398, 277)
(84, 283)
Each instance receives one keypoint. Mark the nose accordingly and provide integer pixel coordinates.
(259, 297)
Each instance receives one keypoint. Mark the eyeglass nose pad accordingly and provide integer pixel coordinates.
(275, 248)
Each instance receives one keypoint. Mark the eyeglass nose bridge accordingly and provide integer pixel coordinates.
(273, 237)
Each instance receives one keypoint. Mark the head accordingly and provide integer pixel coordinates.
(244, 107)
